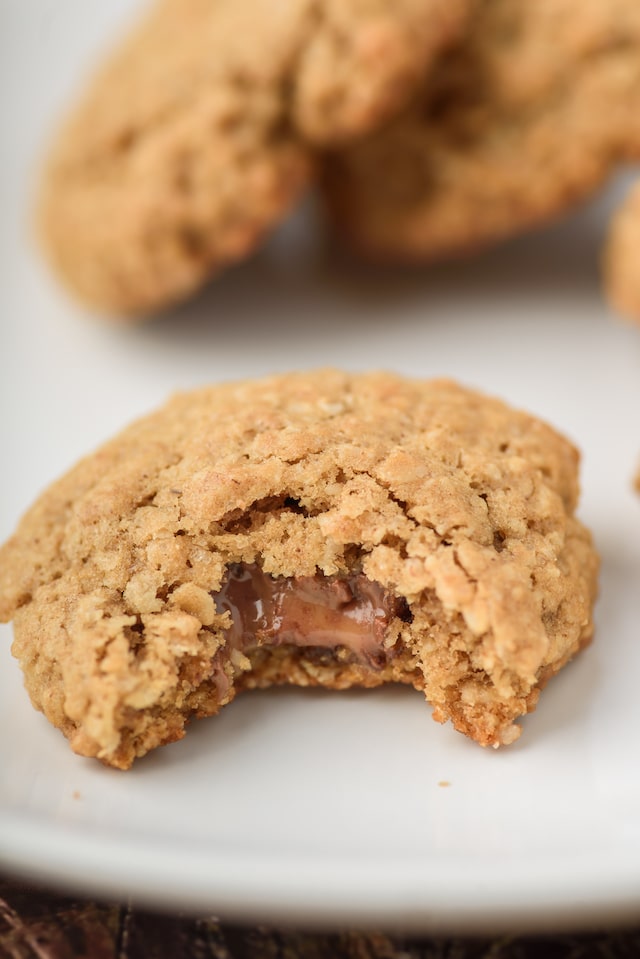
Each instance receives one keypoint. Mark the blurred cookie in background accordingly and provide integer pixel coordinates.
(190, 144)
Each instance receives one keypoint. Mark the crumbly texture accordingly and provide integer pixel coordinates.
(622, 258)
(525, 117)
(450, 500)
(188, 145)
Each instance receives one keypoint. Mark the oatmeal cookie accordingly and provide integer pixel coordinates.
(190, 143)
(622, 258)
(321, 529)
(526, 116)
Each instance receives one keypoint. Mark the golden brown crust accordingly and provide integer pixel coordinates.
(364, 58)
(526, 116)
(445, 497)
(622, 258)
(174, 165)
(186, 148)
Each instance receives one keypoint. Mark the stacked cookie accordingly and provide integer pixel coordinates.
(432, 126)
(198, 135)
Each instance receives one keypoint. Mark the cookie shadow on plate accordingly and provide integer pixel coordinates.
(564, 705)
(277, 718)
(591, 685)
(304, 275)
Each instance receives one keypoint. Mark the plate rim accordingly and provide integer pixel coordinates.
(419, 896)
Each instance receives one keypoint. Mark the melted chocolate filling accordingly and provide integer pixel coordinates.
(308, 611)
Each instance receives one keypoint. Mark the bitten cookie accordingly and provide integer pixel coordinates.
(188, 146)
(622, 258)
(319, 529)
(525, 117)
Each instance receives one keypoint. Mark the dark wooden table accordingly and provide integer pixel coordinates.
(40, 924)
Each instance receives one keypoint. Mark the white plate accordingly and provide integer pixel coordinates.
(327, 808)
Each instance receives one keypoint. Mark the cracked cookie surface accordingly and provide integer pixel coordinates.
(526, 116)
(446, 515)
(189, 144)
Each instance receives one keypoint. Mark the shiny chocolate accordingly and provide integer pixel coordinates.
(320, 611)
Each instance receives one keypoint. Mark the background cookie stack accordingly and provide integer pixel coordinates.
(433, 127)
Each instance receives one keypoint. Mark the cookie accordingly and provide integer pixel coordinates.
(622, 258)
(321, 529)
(525, 117)
(189, 145)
